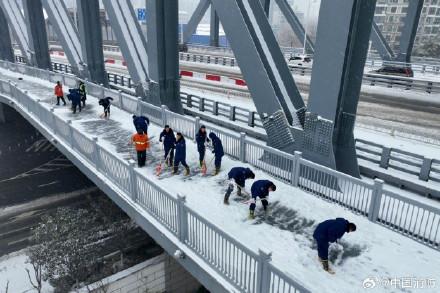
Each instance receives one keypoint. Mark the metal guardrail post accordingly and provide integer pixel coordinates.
(425, 169)
(385, 157)
(296, 169)
(202, 105)
(429, 87)
(243, 147)
(120, 99)
(164, 115)
(102, 92)
(182, 218)
(196, 126)
(189, 101)
(263, 272)
(69, 124)
(215, 108)
(232, 113)
(96, 153)
(133, 181)
(376, 198)
(251, 119)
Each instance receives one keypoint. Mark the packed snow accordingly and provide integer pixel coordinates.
(373, 252)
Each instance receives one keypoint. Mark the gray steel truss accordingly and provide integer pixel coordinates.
(67, 34)
(380, 44)
(131, 42)
(36, 29)
(408, 35)
(89, 26)
(295, 24)
(18, 27)
(261, 61)
(341, 51)
(266, 6)
(214, 29)
(163, 53)
(6, 50)
(195, 19)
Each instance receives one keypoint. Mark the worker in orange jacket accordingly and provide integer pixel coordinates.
(141, 143)
(59, 93)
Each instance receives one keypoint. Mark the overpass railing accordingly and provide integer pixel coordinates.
(247, 270)
(360, 197)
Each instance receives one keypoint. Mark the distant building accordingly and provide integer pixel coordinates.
(389, 18)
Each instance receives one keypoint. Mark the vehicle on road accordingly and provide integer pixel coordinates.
(395, 70)
(301, 60)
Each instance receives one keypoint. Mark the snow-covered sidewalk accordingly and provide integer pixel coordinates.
(373, 251)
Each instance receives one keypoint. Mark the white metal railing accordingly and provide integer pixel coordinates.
(248, 272)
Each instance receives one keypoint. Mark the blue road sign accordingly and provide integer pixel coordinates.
(141, 14)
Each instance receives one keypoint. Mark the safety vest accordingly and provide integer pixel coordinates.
(141, 142)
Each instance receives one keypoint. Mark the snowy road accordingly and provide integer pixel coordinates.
(372, 251)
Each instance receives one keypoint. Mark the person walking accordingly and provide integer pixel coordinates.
(217, 151)
(201, 140)
(75, 97)
(169, 140)
(59, 93)
(82, 92)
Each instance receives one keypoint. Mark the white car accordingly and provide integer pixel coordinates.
(301, 60)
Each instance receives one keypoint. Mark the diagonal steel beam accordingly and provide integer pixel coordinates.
(6, 50)
(380, 43)
(295, 24)
(18, 27)
(131, 41)
(262, 63)
(266, 6)
(67, 34)
(409, 31)
(195, 19)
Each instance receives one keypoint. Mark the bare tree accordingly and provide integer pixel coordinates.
(37, 284)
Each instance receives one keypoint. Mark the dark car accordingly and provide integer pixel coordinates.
(183, 48)
(395, 70)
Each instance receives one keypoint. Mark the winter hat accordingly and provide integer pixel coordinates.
(251, 174)
(274, 187)
(351, 227)
(167, 126)
(212, 135)
(134, 116)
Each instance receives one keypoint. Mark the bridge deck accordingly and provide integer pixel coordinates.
(372, 251)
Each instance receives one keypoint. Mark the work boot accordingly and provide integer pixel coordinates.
(238, 191)
(227, 195)
(251, 215)
(326, 266)
(186, 171)
(201, 164)
(174, 172)
(216, 171)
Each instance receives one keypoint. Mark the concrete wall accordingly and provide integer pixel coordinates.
(159, 274)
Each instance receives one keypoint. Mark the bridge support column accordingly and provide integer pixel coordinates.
(6, 51)
(36, 28)
(163, 52)
(410, 24)
(341, 51)
(214, 29)
(91, 39)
